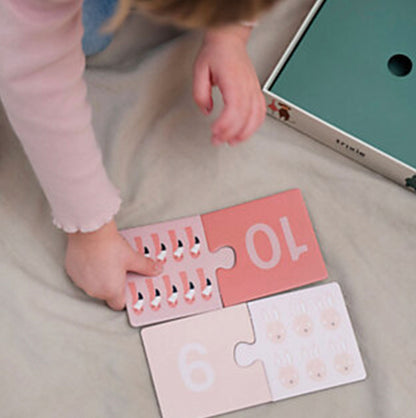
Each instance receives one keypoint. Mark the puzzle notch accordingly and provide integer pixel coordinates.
(244, 354)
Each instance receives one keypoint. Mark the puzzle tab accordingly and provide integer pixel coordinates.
(224, 258)
(267, 350)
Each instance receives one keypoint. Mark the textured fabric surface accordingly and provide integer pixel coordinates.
(63, 354)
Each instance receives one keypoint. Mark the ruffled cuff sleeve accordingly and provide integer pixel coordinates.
(44, 94)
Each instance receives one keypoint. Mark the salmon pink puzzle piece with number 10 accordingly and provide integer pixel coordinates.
(224, 258)
(274, 245)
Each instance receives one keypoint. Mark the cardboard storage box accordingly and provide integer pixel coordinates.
(348, 79)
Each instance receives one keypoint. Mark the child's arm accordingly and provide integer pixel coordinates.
(44, 94)
(223, 62)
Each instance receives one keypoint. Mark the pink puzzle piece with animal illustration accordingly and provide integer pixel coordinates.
(188, 284)
(274, 348)
(223, 258)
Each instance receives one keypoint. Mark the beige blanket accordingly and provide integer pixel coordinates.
(66, 355)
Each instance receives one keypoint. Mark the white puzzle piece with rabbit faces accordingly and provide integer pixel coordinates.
(305, 341)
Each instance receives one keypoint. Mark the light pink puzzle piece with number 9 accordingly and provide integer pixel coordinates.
(261, 248)
(197, 376)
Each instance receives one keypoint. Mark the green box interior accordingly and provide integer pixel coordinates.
(339, 72)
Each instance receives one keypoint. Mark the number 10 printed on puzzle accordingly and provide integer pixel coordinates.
(224, 258)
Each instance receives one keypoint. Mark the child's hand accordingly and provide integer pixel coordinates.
(98, 261)
(223, 62)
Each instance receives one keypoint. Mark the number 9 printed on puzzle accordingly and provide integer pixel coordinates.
(194, 369)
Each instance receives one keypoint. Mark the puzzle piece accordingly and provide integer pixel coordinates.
(267, 245)
(193, 367)
(274, 243)
(188, 284)
(305, 341)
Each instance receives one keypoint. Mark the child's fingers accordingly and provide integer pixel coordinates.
(115, 297)
(110, 287)
(140, 264)
(235, 114)
(258, 114)
(247, 129)
(202, 88)
(117, 302)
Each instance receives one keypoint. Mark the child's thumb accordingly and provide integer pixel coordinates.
(145, 266)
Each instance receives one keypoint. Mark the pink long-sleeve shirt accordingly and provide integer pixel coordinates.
(44, 95)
